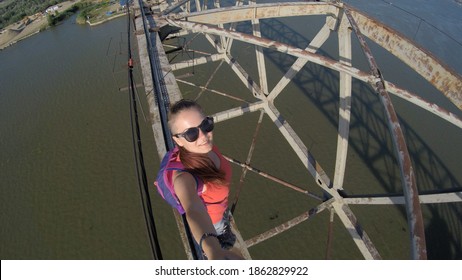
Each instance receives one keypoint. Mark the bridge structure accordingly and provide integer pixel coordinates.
(219, 25)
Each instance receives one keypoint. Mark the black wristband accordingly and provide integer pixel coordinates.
(204, 236)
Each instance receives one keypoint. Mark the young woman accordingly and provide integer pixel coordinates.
(205, 208)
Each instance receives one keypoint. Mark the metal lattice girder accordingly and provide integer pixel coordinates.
(411, 195)
(307, 55)
(444, 79)
(258, 11)
(341, 19)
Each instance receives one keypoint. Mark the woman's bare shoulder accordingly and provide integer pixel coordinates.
(183, 181)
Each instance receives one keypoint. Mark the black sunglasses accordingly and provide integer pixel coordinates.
(192, 133)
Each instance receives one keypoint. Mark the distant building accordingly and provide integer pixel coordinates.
(123, 3)
(52, 10)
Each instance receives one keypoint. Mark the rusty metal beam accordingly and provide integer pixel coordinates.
(249, 158)
(330, 235)
(240, 243)
(209, 80)
(347, 217)
(422, 103)
(359, 235)
(259, 11)
(289, 224)
(424, 199)
(277, 46)
(423, 62)
(324, 61)
(381, 35)
(246, 167)
(414, 213)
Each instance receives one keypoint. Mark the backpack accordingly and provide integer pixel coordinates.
(164, 182)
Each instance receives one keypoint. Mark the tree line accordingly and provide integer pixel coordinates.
(16, 10)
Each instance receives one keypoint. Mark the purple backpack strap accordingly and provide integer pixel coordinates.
(164, 182)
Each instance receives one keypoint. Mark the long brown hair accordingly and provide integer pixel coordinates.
(199, 164)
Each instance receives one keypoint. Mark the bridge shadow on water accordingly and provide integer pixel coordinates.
(370, 141)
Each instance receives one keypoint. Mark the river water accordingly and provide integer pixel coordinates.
(68, 186)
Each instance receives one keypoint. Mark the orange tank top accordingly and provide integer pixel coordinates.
(216, 196)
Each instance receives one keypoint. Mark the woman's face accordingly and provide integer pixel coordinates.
(192, 118)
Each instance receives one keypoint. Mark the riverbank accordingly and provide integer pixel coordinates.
(106, 19)
(39, 22)
(101, 12)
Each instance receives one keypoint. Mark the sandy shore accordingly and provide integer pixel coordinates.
(19, 31)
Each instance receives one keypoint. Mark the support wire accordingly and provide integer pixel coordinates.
(138, 153)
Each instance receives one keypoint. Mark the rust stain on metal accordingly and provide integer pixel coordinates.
(431, 107)
(414, 213)
(445, 79)
(259, 11)
(278, 46)
(289, 224)
(363, 235)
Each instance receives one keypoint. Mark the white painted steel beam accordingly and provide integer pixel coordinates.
(259, 54)
(345, 214)
(360, 237)
(313, 47)
(239, 111)
(244, 77)
(232, 27)
(222, 38)
(259, 11)
(344, 40)
(300, 149)
(179, 34)
(424, 198)
(198, 5)
(197, 61)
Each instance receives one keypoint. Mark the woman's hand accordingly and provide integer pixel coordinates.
(198, 218)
